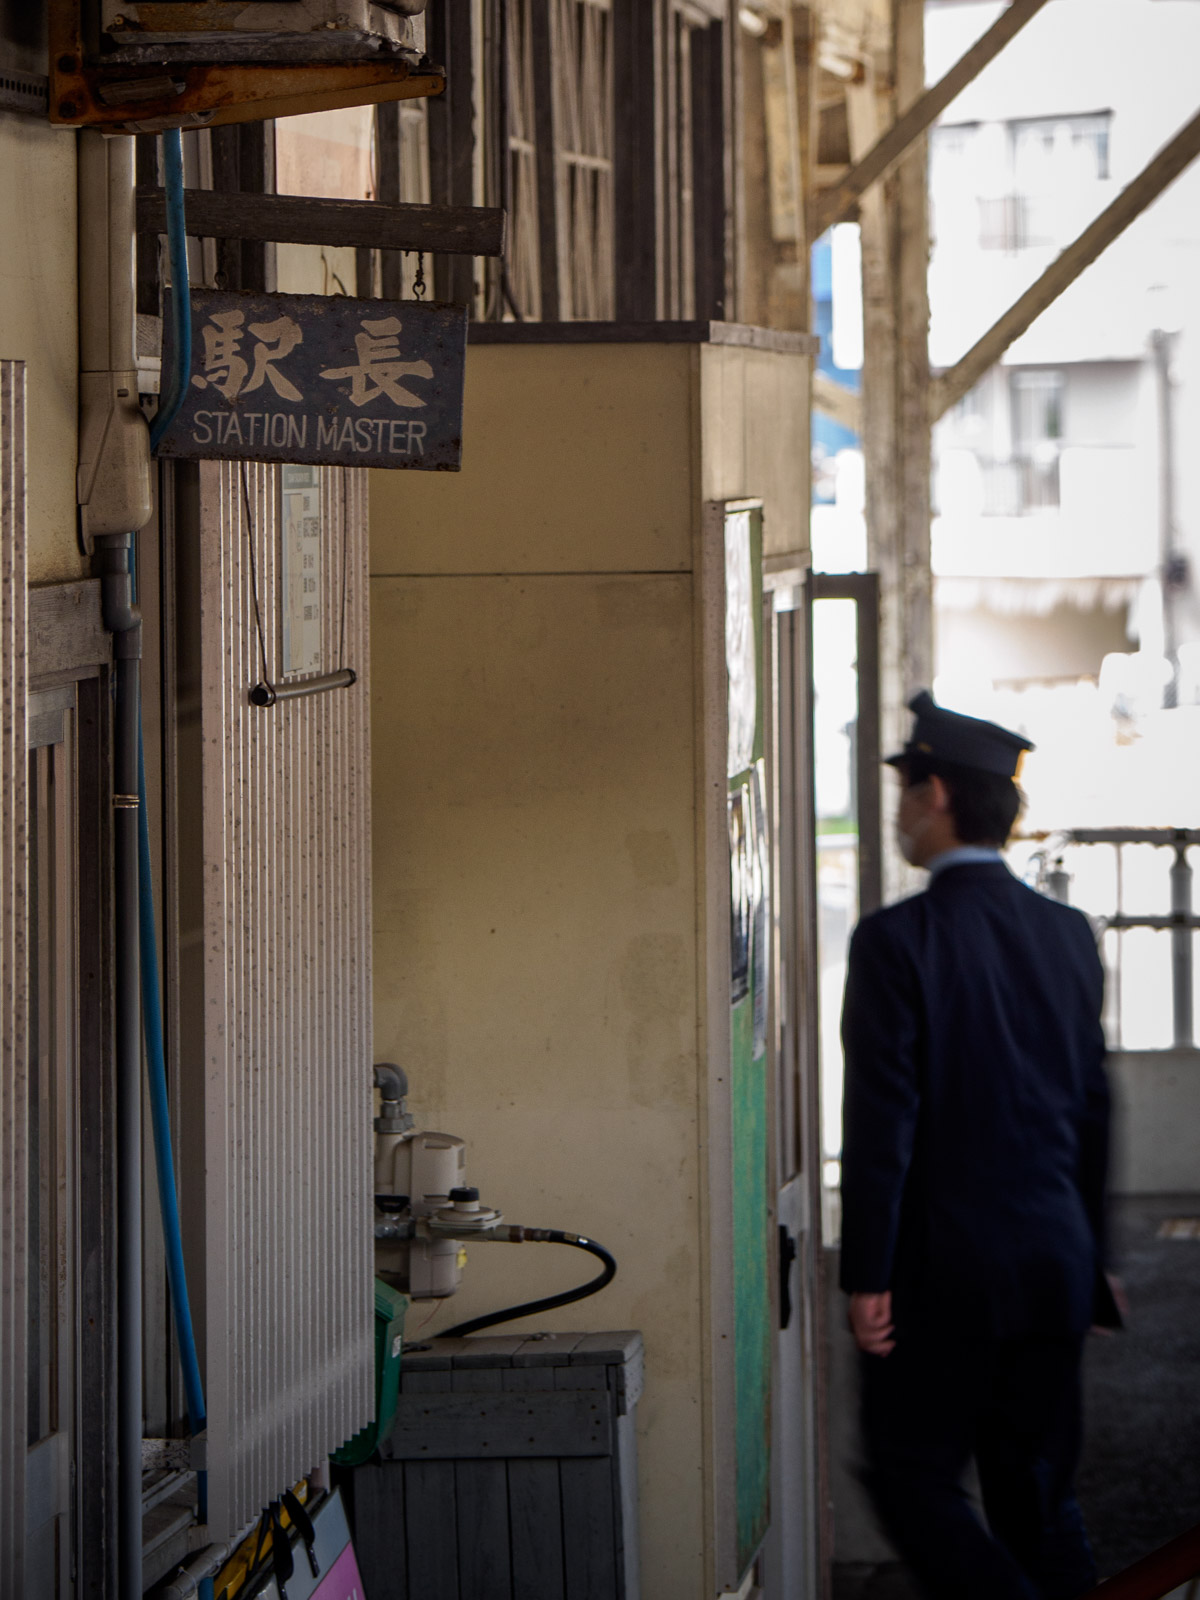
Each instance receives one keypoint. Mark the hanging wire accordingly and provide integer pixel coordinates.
(345, 565)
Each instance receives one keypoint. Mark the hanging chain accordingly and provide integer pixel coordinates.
(419, 280)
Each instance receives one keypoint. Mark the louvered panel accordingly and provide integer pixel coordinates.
(289, 1362)
(13, 1080)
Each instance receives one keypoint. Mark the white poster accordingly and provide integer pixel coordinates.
(740, 643)
(302, 532)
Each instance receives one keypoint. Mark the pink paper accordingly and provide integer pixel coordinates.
(342, 1581)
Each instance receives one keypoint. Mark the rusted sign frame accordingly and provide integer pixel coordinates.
(84, 94)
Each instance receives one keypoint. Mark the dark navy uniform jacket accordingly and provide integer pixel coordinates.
(976, 1108)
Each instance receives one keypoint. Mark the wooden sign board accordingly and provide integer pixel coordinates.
(321, 379)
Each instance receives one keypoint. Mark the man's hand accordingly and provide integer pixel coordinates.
(1120, 1300)
(871, 1322)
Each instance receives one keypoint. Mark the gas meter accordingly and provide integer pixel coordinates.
(425, 1211)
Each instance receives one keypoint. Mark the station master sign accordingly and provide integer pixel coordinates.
(323, 379)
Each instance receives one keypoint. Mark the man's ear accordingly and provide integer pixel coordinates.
(939, 795)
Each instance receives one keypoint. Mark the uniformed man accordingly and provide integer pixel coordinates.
(975, 1147)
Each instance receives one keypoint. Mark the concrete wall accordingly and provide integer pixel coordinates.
(38, 325)
(537, 878)
(1065, 643)
(1156, 1136)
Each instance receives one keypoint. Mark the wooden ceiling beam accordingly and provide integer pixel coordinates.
(838, 204)
(300, 219)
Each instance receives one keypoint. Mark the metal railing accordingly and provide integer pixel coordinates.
(1181, 921)
(1020, 485)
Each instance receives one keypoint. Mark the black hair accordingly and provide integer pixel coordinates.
(985, 805)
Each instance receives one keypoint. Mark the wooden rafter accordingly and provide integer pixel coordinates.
(950, 386)
(299, 219)
(835, 401)
(838, 203)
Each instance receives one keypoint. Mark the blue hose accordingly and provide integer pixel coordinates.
(160, 1117)
(171, 398)
(174, 385)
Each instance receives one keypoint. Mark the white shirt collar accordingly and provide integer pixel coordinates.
(962, 855)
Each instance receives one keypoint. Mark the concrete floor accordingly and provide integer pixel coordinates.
(1139, 1481)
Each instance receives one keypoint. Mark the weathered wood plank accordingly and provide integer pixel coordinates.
(637, 195)
(588, 1501)
(589, 1553)
(387, 164)
(65, 629)
(429, 1510)
(668, 332)
(431, 1427)
(303, 219)
(1175, 155)
(379, 1536)
(625, 1499)
(837, 204)
(429, 1522)
(607, 1348)
(535, 1530)
(481, 1489)
(554, 1351)
(535, 1509)
(493, 1351)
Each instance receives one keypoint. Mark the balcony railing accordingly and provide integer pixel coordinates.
(1017, 487)
(1052, 877)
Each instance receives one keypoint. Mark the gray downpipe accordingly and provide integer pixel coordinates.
(121, 617)
(115, 500)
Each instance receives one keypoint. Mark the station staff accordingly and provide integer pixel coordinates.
(974, 1156)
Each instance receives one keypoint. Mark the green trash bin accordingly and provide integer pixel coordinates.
(390, 1307)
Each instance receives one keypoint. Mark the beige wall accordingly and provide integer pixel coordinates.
(574, 457)
(536, 879)
(38, 326)
(535, 957)
(755, 440)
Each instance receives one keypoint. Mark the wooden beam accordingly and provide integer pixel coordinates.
(834, 400)
(143, 99)
(949, 388)
(299, 219)
(838, 204)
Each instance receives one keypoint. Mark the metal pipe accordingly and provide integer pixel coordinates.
(1058, 883)
(113, 486)
(266, 694)
(1182, 936)
(1172, 577)
(205, 1564)
(122, 618)
(391, 1081)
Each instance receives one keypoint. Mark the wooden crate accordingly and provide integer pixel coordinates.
(510, 1473)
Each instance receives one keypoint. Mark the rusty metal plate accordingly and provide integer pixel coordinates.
(323, 379)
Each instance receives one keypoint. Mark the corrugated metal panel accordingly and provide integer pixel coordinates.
(13, 1082)
(288, 1271)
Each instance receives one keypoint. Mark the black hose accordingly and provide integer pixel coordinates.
(568, 1296)
(122, 618)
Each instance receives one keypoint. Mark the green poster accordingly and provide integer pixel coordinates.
(749, 969)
